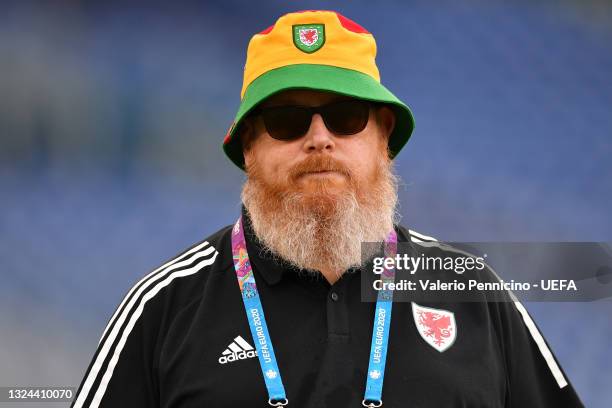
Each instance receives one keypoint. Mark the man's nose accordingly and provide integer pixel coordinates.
(318, 137)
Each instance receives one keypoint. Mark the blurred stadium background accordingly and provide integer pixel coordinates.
(112, 115)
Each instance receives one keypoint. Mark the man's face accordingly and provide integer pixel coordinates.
(319, 158)
(304, 194)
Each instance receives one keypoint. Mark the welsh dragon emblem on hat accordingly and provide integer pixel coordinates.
(309, 37)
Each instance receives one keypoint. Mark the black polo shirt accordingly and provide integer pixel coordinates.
(180, 338)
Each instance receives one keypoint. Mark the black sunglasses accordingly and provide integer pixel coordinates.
(290, 122)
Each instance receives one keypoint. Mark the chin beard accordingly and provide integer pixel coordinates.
(322, 228)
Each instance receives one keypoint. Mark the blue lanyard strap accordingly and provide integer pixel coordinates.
(261, 336)
(380, 332)
(257, 321)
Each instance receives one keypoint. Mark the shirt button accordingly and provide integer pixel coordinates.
(334, 296)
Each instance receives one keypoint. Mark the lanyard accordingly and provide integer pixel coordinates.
(261, 336)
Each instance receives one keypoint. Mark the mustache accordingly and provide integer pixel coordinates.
(318, 163)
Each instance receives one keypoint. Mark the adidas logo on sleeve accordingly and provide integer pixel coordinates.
(238, 349)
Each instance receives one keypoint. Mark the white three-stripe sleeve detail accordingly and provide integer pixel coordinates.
(125, 299)
(420, 236)
(149, 295)
(539, 340)
(105, 347)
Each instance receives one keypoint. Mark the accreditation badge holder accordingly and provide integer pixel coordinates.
(263, 342)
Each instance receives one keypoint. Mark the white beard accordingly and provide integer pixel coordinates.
(323, 230)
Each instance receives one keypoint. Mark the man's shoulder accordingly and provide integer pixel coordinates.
(209, 256)
(406, 234)
(215, 244)
(432, 247)
(181, 279)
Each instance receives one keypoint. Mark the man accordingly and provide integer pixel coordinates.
(269, 310)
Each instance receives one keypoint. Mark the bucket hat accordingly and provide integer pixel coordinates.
(318, 50)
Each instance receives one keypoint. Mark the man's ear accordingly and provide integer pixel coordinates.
(386, 120)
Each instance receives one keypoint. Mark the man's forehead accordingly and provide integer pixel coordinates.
(302, 97)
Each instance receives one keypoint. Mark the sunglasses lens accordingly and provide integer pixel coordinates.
(346, 117)
(292, 122)
(287, 122)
